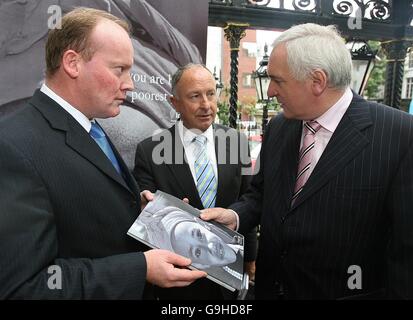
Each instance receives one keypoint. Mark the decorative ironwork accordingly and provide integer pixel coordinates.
(375, 10)
(234, 32)
(228, 2)
(311, 6)
(371, 10)
(363, 58)
(263, 3)
(264, 117)
(296, 5)
(363, 52)
(395, 51)
(262, 81)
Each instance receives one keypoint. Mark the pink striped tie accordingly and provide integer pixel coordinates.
(306, 156)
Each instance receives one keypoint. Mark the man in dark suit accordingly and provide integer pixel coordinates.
(193, 88)
(334, 192)
(67, 197)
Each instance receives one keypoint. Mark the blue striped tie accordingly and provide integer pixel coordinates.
(206, 181)
(99, 136)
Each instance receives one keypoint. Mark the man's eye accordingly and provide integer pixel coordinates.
(199, 234)
(197, 252)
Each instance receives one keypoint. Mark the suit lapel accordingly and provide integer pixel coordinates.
(76, 137)
(181, 171)
(346, 143)
(290, 159)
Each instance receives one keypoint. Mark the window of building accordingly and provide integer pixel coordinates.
(411, 60)
(409, 88)
(247, 80)
(249, 49)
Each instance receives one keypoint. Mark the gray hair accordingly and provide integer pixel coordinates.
(311, 46)
(178, 74)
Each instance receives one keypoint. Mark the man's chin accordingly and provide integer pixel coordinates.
(115, 111)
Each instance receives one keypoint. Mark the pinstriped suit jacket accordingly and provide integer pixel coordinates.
(63, 203)
(355, 210)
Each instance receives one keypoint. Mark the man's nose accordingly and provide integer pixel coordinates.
(205, 101)
(127, 84)
(271, 91)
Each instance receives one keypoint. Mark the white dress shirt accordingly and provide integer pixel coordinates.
(79, 116)
(187, 137)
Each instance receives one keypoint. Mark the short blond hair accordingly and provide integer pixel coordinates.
(74, 34)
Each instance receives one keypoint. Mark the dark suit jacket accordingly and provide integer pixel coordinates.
(175, 178)
(63, 203)
(355, 210)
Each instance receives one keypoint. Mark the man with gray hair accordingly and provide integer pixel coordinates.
(334, 191)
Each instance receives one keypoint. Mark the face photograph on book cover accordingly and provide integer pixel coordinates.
(168, 223)
(193, 238)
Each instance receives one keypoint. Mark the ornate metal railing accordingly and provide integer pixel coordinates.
(374, 10)
(371, 10)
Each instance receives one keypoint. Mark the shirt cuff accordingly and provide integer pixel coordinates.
(237, 218)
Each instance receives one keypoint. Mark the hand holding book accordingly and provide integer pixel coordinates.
(169, 223)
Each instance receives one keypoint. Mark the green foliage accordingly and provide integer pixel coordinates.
(223, 107)
(223, 113)
(248, 108)
(274, 105)
(377, 76)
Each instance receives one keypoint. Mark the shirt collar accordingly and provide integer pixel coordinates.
(79, 116)
(330, 119)
(188, 135)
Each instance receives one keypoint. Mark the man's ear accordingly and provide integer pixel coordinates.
(319, 81)
(70, 63)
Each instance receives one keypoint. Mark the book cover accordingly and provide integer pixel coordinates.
(169, 223)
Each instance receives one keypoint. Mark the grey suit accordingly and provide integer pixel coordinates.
(63, 203)
(355, 210)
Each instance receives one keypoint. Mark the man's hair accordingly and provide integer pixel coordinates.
(311, 46)
(178, 74)
(74, 34)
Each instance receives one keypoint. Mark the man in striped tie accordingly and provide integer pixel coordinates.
(201, 168)
(334, 193)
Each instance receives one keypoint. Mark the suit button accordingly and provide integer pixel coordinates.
(283, 220)
(279, 290)
(283, 254)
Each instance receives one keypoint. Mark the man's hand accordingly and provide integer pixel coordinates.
(249, 268)
(224, 216)
(146, 197)
(167, 269)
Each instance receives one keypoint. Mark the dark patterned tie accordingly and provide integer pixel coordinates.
(306, 157)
